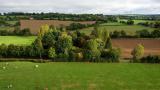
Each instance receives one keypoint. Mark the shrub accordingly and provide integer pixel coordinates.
(150, 59)
(111, 55)
(52, 53)
(137, 53)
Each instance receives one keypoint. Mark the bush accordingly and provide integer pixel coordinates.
(52, 53)
(111, 55)
(150, 59)
(143, 33)
(130, 22)
(75, 26)
(92, 55)
(137, 53)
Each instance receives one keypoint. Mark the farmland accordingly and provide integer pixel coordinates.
(34, 25)
(79, 76)
(152, 46)
(17, 40)
(130, 29)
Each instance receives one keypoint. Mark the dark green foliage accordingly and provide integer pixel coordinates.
(48, 40)
(76, 26)
(147, 34)
(108, 44)
(116, 34)
(38, 47)
(92, 55)
(130, 22)
(143, 33)
(16, 32)
(3, 50)
(155, 33)
(52, 53)
(150, 24)
(64, 44)
(150, 59)
(111, 55)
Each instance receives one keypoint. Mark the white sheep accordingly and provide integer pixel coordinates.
(36, 66)
(7, 63)
(4, 68)
(10, 86)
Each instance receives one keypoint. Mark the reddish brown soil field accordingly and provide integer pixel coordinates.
(34, 25)
(152, 46)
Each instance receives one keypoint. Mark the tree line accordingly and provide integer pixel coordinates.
(58, 44)
(16, 32)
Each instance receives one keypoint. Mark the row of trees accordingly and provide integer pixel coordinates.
(76, 26)
(53, 43)
(139, 34)
(129, 22)
(60, 16)
(148, 34)
(150, 24)
(16, 32)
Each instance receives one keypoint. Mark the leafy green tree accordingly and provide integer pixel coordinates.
(48, 40)
(137, 53)
(3, 50)
(44, 29)
(130, 22)
(64, 44)
(111, 55)
(92, 53)
(123, 33)
(52, 53)
(105, 35)
(108, 43)
(38, 46)
(92, 44)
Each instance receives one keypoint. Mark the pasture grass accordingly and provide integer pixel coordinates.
(130, 29)
(79, 76)
(17, 40)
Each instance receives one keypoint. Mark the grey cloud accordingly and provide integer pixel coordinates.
(82, 6)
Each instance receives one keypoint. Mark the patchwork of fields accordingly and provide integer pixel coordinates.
(79, 76)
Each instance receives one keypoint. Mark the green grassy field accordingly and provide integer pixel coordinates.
(79, 76)
(17, 40)
(138, 21)
(130, 29)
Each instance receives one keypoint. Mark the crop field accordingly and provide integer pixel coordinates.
(130, 29)
(34, 25)
(78, 76)
(17, 40)
(152, 46)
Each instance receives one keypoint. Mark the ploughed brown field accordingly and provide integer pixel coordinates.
(152, 46)
(34, 25)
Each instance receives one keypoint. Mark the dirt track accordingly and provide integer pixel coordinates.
(152, 46)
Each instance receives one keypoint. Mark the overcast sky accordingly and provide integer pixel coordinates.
(82, 6)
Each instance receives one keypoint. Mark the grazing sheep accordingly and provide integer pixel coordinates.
(4, 68)
(10, 86)
(36, 66)
(7, 63)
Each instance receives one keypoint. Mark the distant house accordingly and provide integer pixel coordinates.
(34, 25)
(31, 18)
